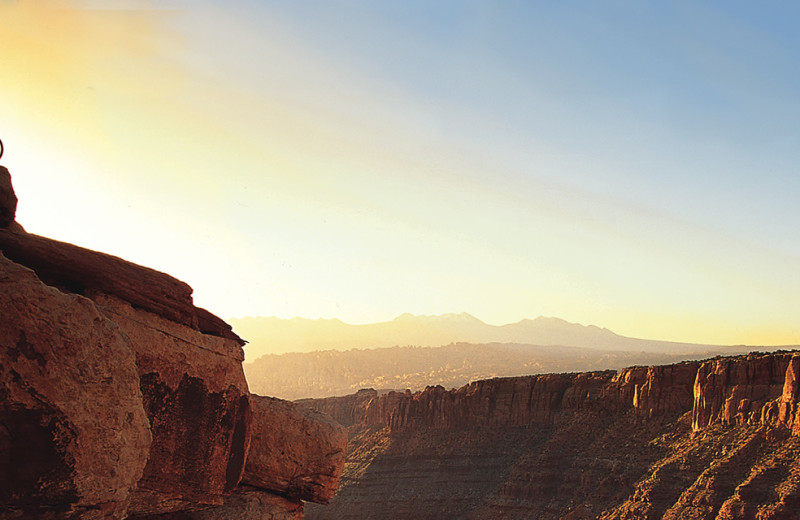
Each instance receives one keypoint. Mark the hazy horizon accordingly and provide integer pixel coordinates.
(632, 166)
(269, 335)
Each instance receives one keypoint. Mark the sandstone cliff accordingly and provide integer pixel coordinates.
(716, 439)
(121, 399)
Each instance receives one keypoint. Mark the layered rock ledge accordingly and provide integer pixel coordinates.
(121, 399)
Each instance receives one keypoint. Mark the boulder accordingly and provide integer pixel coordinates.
(295, 451)
(74, 436)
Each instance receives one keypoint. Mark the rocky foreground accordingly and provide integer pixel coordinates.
(121, 399)
(715, 439)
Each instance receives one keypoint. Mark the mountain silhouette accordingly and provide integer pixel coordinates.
(270, 335)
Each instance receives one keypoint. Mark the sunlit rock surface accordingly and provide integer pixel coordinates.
(74, 437)
(747, 390)
(197, 400)
(191, 382)
(121, 399)
(82, 271)
(702, 440)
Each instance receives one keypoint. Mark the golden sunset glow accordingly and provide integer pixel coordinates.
(356, 162)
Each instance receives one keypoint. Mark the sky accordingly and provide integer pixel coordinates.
(632, 165)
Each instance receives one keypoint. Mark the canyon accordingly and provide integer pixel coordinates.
(711, 439)
(119, 398)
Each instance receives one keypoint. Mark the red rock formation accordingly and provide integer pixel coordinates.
(82, 271)
(120, 399)
(743, 390)
(197, 400)
(303, 458)
(517, 401)
(74, 437)
(511, 401)
(654, 391)
(707, 440)
(789, 404)
(381, 409)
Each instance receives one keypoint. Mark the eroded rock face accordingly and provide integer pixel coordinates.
(655, 391)
(744, 390)
(121, 399)
(197, 401)
(295, 451)
(712, 440)
(789, 404)
(74, 437)
(510, 401)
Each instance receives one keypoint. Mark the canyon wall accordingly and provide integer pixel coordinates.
(715, 439)
(121, 399)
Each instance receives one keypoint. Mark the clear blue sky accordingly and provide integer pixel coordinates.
(628, 164)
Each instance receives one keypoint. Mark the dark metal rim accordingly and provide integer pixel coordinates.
(1, 149)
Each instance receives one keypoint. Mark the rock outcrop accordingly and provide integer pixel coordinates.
(304, 458)
(196, 397)
(716, 439)
(82, 271)
(752, 390)
(655, 391)
(513, 401)
(74, 436)
(121, 399)
(191, 383)
(346, 410)
(523, 401)
(8, 199)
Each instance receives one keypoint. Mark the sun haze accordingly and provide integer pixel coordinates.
(630, 166)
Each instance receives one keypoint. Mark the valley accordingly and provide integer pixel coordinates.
(714, 439)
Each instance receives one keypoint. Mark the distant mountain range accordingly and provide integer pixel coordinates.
(277, 336)
(299, 358)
